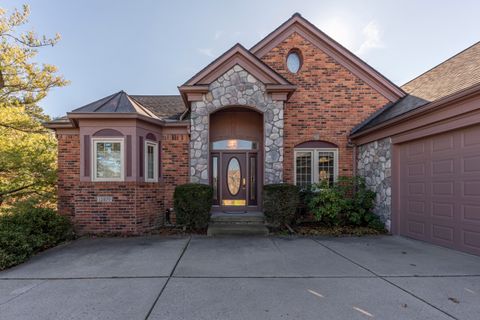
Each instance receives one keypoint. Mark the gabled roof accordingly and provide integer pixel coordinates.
(195, 87)
(237, 55)
(456, 74)
(298, 24)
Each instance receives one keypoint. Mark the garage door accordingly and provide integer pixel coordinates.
(439, 185)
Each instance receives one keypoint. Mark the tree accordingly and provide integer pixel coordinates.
(27, 149)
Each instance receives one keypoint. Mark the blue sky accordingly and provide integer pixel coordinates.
(151, 47)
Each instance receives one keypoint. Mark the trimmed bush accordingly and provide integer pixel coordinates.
(347, 202)
(280, 202)
(25, 229)
(193, 203)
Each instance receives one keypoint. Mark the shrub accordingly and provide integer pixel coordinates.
(347, 202)
(192, 203)
(14, 248)
(26, 229)
(280, 202)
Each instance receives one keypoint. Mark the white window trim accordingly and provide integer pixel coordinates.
(314, 164)
(94, 158)
(155, 161)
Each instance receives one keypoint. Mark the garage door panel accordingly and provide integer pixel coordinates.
(439, 189)
(443, 188)
(442, 210)
(471, 164)
(416, 170)
(471, 137)
(443, 233)
(471, 213)
(416, 206)
(443, 167)
(416, 229)
(416, 149)
(416, 188)
(471, 239)
(471, 188)
(443, 143)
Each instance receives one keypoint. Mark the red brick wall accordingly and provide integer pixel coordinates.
(68, 172)
(118, 216)
(328, 102)
(136, 207)
(175, 169)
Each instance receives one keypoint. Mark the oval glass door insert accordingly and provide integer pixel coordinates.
(234, 176)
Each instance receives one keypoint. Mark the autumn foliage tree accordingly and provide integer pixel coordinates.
(27, 149)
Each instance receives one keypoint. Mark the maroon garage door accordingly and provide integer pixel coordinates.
(439, 191)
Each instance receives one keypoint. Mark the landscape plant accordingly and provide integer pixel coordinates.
(346, 202)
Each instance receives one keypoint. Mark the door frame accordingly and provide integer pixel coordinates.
(248, 207)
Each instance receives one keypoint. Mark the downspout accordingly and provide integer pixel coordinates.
(354, 158)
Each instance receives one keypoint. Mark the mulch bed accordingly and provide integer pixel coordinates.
(318, 229)
(177, 231)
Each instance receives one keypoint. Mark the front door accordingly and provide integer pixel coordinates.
(234, 182)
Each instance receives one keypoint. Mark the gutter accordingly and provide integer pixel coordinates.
(74, 116)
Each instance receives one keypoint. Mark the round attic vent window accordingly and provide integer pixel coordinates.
(293, 62)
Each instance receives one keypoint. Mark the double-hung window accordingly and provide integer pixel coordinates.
(151, 161)
(108, 159)
(315, 166)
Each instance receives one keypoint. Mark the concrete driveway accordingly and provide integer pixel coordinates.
(244, 278)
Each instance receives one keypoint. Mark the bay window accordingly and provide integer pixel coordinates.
(315, 166)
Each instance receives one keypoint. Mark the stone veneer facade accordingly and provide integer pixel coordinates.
(374, 163)
(237, 88)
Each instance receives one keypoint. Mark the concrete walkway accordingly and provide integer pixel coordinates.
(244, 278)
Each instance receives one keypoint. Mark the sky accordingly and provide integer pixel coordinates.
(152, 47)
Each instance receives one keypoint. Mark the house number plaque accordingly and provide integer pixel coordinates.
(104, 198)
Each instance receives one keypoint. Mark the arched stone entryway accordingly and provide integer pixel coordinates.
(236, 158)
(237, 87)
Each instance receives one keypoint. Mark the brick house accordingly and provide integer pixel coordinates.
(298, 108)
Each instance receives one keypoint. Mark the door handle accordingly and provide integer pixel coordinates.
(243, 182)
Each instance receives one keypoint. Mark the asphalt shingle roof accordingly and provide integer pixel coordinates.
(453, 75)
(167, 107)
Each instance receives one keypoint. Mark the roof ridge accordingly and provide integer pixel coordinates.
(155, 95)
(108, 100)
(141, 106)
(441, 63)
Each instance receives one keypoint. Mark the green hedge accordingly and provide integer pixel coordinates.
(25, 230)
(280, 202)
(193, 203)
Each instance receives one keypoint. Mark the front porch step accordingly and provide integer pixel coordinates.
(237, 218)
(223, 229)
(237, 223)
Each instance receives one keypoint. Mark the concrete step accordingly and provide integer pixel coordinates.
(237, 218)
(221, 229)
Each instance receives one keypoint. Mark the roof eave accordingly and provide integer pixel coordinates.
(427, 108)
(111, 115)
(58, 125)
